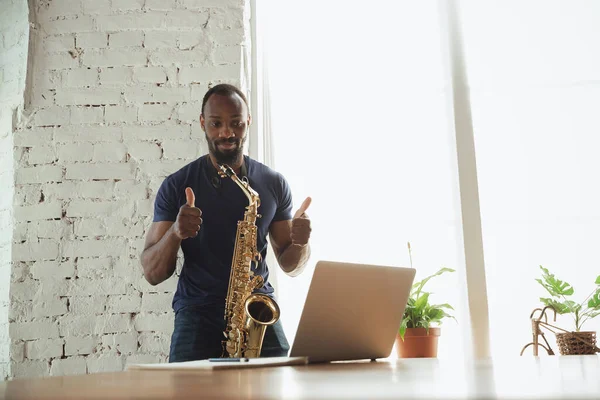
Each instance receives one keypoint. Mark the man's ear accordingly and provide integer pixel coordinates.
(202, 121)
(249, 119)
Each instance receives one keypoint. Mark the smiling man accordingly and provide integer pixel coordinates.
(196, 210)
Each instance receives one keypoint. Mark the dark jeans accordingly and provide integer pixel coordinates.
(198, 333)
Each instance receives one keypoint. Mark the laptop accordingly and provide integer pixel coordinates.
(352, 311)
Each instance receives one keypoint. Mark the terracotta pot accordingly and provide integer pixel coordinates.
(417, 343)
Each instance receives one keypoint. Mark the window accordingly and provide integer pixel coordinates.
(534, 70)
(359, 123)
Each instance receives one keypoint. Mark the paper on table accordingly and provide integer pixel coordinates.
(205, 364)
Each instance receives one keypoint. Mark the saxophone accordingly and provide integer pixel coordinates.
(247, 314)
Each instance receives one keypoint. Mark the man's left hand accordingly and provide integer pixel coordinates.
(301, 225)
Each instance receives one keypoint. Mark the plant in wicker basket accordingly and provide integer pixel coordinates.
(576, 342)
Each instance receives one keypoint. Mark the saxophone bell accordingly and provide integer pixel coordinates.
(261, 311)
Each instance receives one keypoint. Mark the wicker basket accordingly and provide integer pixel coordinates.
(572, 343)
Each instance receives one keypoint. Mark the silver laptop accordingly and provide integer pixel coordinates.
(352, 311)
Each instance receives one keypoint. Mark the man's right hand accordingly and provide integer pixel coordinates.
(189, 218)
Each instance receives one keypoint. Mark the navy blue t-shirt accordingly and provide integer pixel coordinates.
(204, 279)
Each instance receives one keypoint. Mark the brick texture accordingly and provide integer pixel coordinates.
(14, 36)
(114, 106)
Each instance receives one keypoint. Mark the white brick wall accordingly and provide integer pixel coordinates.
(115, 101)
(14, 36)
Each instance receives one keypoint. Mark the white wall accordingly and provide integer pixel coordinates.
(14, 35)
(115, 98)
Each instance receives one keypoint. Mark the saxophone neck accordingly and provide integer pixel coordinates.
(253, 197)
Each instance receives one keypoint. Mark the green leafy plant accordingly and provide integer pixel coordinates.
(559, 290)
(419, 313)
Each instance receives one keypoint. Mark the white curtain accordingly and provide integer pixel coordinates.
(359, 121)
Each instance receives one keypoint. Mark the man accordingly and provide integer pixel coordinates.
(198, 210)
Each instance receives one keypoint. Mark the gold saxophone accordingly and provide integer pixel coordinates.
(247, 314)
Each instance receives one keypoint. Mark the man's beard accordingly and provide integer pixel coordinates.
(229, 157)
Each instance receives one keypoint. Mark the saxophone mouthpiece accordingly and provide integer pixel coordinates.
(225, 170)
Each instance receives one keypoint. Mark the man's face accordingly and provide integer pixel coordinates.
(225, 122)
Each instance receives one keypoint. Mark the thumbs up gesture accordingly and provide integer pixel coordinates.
(189, 217)
(301, 225)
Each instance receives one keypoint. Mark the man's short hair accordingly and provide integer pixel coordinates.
(223, 89)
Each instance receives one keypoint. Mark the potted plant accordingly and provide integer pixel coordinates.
(416, 336)
(577, 342)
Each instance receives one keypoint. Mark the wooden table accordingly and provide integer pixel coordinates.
(557, 377)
